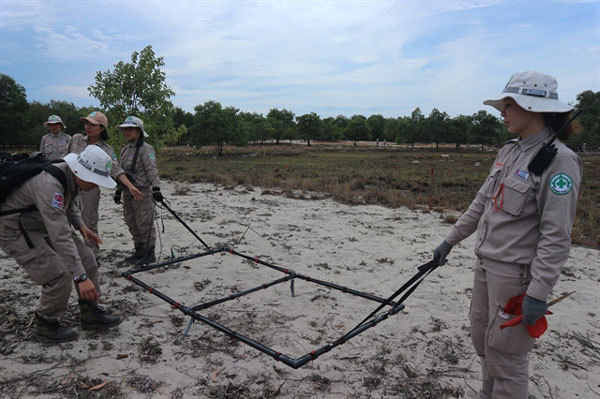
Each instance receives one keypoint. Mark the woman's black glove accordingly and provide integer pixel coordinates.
(442, 251)
(532, 309)
(158, 197)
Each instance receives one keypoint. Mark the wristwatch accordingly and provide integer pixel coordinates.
(80, 278)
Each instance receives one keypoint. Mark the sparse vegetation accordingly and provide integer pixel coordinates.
(393, 177)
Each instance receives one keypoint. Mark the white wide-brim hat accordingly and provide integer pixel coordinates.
(132, 121)
(53, 119)
(92, 165)
(533, 91)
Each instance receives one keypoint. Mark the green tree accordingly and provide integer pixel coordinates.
(391, 129)
(436, 126)
(183, 119)
(214, 125)
(589, 120)
(357, 129)
(13, 106)
(309, 127)
(282, 121)
(376, 126)
(137, 88)
(339, 126)
(458, 130)
(329, 132)
(485, 129)
(414, 129)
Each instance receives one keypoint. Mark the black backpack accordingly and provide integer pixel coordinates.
(17, 169)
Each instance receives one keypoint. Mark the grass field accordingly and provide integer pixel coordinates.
(443, 180)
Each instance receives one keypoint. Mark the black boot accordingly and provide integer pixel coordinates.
(148, 258)
(51, 331)
(94, 318)
(138, 254)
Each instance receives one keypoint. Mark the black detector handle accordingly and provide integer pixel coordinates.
(548, 151)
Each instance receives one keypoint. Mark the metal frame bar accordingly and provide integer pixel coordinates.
(290, 276)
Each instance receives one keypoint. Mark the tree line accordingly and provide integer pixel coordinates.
(138, 88)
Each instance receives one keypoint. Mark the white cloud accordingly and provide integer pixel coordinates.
(385, 55)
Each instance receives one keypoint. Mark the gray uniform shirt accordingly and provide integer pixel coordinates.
(80, 141)
(56, 213)
(54, 146)
(145, 173)
(524, 221)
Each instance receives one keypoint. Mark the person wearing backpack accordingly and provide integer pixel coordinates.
(138, 159)
(41, 241)
(54, 144)
(96, 125)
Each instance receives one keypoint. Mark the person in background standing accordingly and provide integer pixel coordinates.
(54, 144)
(96, 125)
(138, 159)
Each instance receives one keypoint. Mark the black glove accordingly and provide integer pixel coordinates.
(532, 309)
(442, 251)
(158, 197)
(117, 196)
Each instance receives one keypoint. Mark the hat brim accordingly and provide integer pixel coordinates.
(87, 175)
(531, 103)
(124, 125)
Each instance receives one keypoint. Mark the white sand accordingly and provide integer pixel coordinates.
(424, 351)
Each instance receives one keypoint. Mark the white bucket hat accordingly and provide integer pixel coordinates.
(92, 165)
(533, 91)
(132, 121)
(52, 119)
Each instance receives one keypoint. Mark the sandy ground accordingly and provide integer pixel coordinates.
(422, 352)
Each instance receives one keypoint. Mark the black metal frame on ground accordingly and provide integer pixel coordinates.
(370, 321)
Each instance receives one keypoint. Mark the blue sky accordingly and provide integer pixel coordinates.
(334, 57)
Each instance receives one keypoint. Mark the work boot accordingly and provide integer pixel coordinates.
(51, 331)
(95, 318)
(138, 254)
(148, 259)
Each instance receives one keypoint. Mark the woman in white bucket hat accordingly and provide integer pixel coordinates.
(54, 144)
(523, 221)
(139, 160)
(96, 125)
(44, 242)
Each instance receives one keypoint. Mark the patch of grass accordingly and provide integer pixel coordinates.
(393, 177)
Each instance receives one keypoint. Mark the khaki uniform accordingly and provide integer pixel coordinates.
(58, 254)
(54, 146)
(90, 200)
(523, 224)
(139, 215)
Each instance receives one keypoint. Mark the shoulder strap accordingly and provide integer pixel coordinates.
(57, 174)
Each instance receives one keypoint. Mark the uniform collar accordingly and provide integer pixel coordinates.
(534, 139)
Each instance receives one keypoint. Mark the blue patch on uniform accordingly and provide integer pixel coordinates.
(114, 157)
(522, 174)
(58, 201)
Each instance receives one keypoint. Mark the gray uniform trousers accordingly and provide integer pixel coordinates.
(46, 268)
(504, 353)
(139, 216)
(90, 202)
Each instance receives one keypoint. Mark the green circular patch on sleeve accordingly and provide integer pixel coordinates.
(152, 157)
(561, 184)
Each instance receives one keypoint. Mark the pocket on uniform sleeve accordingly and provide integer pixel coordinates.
(515, 195)
(514, 339)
